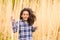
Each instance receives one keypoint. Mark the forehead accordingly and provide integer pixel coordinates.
(25, 12)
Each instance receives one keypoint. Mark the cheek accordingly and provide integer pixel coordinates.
(28, 16)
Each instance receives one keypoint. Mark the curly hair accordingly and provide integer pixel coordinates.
(31, 18)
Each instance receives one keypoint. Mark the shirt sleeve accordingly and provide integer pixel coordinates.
(33, 29)
(14, 26)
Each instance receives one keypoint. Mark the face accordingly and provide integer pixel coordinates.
(25, 15)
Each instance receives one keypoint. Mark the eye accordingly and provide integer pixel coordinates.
(24, 14)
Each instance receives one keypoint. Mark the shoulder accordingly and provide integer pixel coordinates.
(21, 22)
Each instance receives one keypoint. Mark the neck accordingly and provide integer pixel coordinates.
(24, 20)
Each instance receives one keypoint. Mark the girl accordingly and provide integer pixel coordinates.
(27, 19)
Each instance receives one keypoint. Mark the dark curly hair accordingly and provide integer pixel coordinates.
(31, 18)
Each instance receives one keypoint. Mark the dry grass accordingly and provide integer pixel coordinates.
(46, 11)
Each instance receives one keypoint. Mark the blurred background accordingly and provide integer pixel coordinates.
(46, 11)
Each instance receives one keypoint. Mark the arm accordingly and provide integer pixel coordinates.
(33, 29)
(15, 26)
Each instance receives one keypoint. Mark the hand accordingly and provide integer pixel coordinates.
(35, 27)
(12, 19)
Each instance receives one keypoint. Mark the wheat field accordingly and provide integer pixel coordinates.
(46, 11)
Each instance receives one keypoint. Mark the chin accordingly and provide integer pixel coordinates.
(25, 19)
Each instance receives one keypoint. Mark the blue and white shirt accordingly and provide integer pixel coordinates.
(25, 30)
